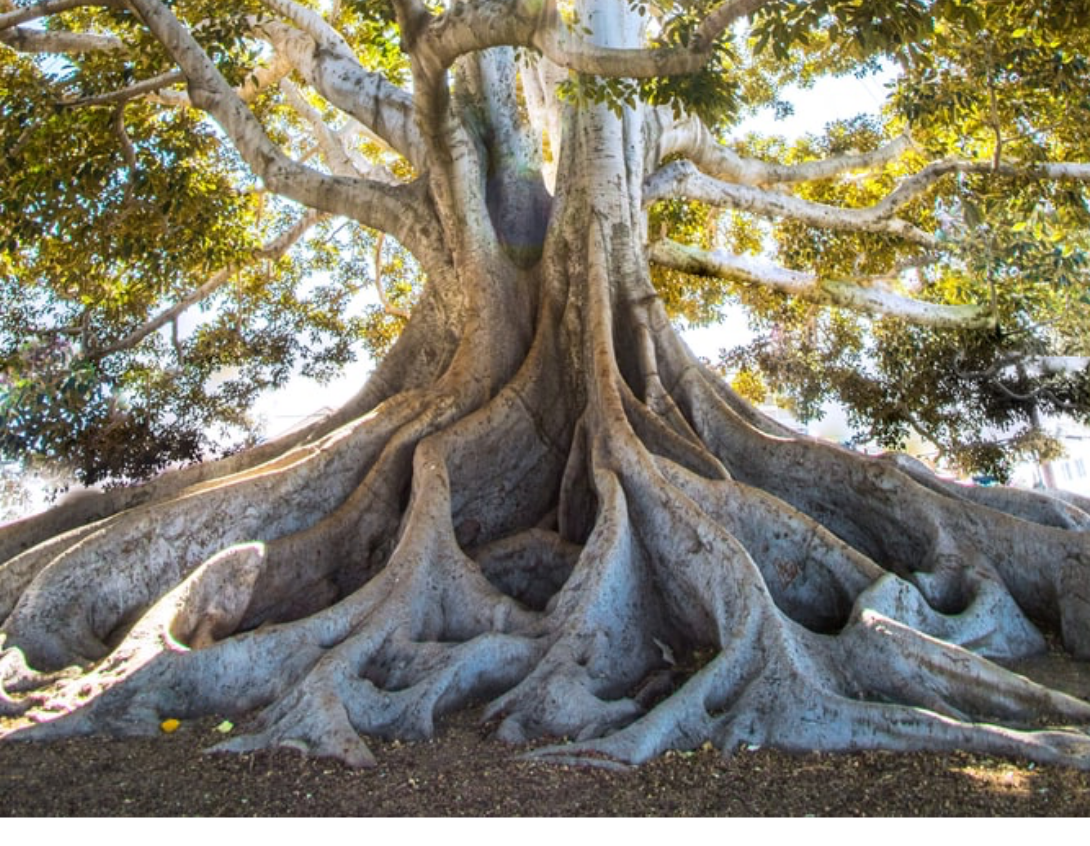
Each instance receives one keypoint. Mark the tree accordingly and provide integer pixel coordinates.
(541, 500)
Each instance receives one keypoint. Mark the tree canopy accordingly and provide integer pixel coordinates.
(126, 214)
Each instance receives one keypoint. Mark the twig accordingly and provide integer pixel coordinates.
(123, 95)
(128, 151)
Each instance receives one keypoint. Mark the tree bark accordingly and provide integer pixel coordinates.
(543, 501)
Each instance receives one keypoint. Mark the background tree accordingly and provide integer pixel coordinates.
(540, 499)
(995, 80)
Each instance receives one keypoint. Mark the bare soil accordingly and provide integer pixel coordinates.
(464, 772)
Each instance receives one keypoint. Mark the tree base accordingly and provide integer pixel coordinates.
(631, 559)
(688, 610)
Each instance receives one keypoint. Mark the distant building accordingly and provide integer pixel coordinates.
(1070, 473)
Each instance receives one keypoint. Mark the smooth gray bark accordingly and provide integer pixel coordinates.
(543, 501)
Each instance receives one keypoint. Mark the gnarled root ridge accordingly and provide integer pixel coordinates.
(634, 562)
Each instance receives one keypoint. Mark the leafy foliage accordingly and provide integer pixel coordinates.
(96, 241)
(112, 212)
(1002, 81)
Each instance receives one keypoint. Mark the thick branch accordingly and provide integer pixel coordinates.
(332, 144)
(271, 252)
(1043, 365)
(258, 80)
(327, 63)
(808, 286)
(682, 179)
(1053, 365)
(348, 137)
(396, 210)
(691, 139)
(55, 41)
(540, 80)
(918, 183)
(27, 40)
(1055, 170)
(332, 151)
(454, 160)
(412, 17)
(467, 28)
(264, 77)
(50, 7)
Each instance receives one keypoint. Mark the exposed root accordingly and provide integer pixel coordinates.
(946, 545)
(74, 605)
(991, 625)
(530, 566)
(630, 559)
(877, 684)
(804, 641)
(428, 636)
(430, 341)
(1033, 506)
(602, 643)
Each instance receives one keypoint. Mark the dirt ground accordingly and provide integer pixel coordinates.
(464, 772)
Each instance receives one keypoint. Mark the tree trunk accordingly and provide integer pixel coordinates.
(544, 502)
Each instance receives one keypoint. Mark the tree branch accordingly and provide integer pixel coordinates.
(258, 80)
(128, 151)
(73, 331)
(412, 17)
(469, 27)
(691, 139)
(332, 144)
(452, 153)
(328, 64)
(1014, 366)
(853, 294)
(1037, 365)
(270, 251)
(387, 306)
(398, 210)
(264, 77)
(334, 154)
(1054, 365)
(918, 183)
(26, 40)
(682, 179)
(50, 7)
(540, 81)
(137, 89)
